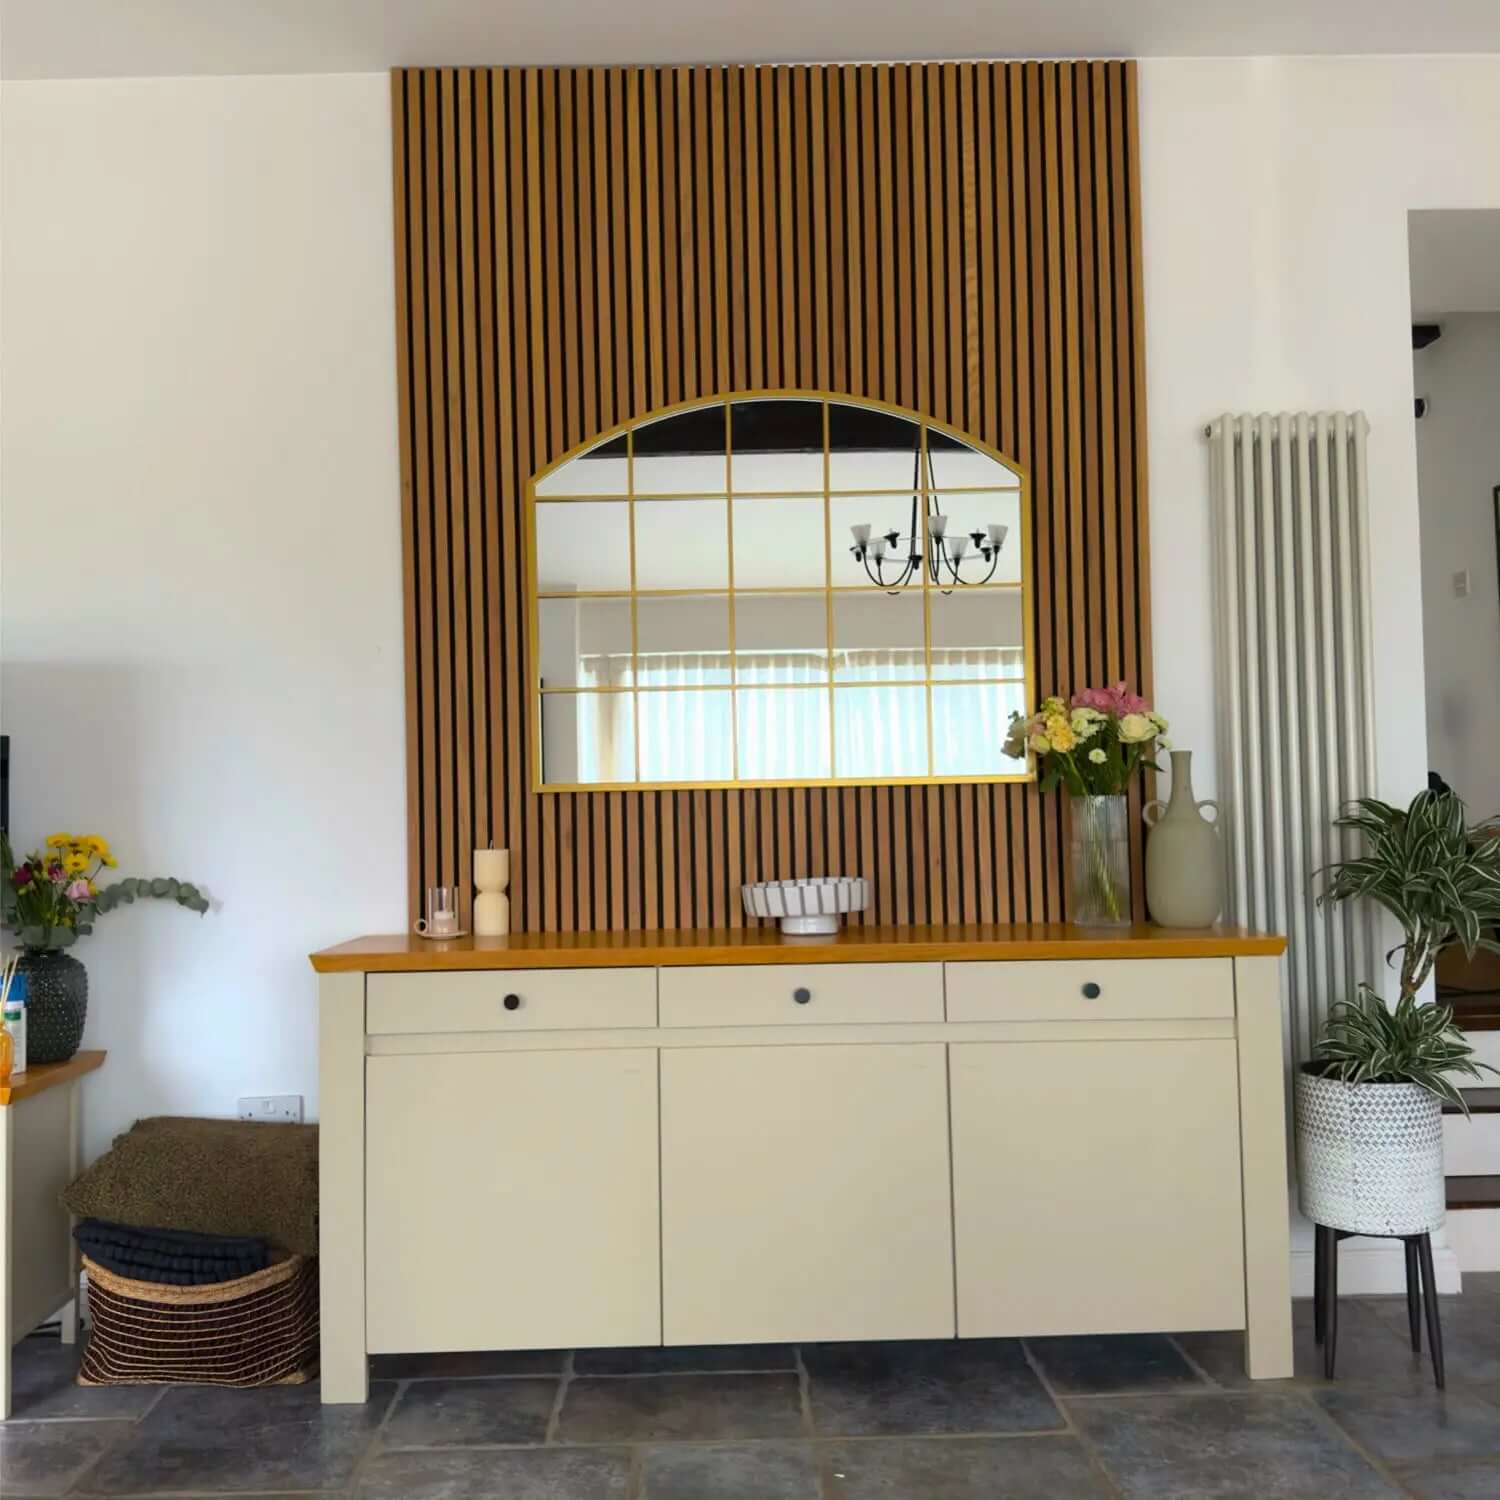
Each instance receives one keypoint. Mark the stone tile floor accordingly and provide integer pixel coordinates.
(1048, 1419)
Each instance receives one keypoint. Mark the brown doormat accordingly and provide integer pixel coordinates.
(256, 1330)
(229, 1177)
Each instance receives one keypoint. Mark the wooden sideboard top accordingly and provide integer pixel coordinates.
(765, 945)
(46, 1076)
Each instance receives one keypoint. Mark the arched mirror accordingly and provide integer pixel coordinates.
(778, 589)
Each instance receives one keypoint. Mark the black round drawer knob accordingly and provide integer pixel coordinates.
(1091, 991)
(801, 996)
(512, 1002)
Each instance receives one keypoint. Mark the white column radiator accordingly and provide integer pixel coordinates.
(1295, 696)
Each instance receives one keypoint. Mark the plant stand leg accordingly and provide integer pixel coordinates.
(1430, 1300)
(1413, 1294)
(1320, 1305)
(1330, 1300)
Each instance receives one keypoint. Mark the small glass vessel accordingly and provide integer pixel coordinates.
(1099, 862)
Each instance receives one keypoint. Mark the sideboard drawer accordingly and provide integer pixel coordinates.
(793, 994)
(510, 1000)
(1136, 989)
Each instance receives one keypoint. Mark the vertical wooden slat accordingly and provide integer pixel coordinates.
(576, 247)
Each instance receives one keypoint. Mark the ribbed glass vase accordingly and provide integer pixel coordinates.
(1098, 862)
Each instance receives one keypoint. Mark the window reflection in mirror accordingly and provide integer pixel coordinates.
(777, 588)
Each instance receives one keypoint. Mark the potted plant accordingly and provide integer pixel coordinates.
(1369, 1103)
(51, 899)
(1092, 745)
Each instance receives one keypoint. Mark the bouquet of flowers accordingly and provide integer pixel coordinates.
(52, 896)
(1092, 744)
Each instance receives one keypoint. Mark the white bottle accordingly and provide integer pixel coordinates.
(15, 1023)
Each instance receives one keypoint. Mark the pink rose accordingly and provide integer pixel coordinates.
(1117, 699)
(79, 891)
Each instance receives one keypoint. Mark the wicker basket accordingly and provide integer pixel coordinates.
(256, 1330)
(1369, 1156)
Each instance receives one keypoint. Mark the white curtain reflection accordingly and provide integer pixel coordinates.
(688, 735)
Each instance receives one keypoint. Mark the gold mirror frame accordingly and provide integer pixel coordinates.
(633, 595)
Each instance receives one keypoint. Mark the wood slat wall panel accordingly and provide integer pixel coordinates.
(576, 247)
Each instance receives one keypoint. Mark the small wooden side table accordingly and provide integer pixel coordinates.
(40, 1145)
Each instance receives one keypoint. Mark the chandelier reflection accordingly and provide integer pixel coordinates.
(892, 560)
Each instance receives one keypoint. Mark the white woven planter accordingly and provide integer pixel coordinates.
(1369, 1156)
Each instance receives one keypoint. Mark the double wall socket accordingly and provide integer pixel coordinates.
(281, 1108)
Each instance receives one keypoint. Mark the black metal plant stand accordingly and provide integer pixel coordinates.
(1419, 1275)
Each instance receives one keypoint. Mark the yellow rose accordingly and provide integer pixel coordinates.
(1040, 744)
(1135, 729)
(1060, 732)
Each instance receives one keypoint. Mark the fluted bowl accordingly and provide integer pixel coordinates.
(807, 906)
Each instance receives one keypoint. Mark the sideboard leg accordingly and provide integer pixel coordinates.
(341, 1187)
(1263, 1167)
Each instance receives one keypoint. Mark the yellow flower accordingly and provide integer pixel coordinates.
(1060, 732)
(1039, 743)
(94, 844)
(59, 840)
(75, 864)
(1052, 707)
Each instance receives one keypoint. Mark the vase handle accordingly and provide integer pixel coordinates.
(1210, 803)
(1159, 808)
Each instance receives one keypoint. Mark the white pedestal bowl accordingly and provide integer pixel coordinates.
(807, 907)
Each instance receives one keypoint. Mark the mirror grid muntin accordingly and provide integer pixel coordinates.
(830, 687)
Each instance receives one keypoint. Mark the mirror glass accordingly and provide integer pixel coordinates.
(880, 732)
(780, 544)
(784, 734)
(583, 546)
(780, 638)
(681, 544)
(683, 454)
(782, 588)
(778, 447)
(969, 724)
(877, 638)
(588, 739)
(682, 641)
(976, 633)
(602, 470)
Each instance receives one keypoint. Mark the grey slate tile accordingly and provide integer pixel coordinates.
(47, 1458)
(1479, 1480)
(1231, 1447)
(673, 1408)
(1015, 1468)
(1405, 1426)
(215, 1441)
(900, 1389)
(1107, 1364)
(43, 1371)
(732, 1471)
(503, 1474)
(460, 1413)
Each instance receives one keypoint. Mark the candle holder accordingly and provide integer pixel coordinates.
(491, 904)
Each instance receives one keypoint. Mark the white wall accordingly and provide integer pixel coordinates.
(1458, 463)
(1275, 194)
(199, 549)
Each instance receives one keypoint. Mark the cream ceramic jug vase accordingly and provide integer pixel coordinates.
(1184, 862)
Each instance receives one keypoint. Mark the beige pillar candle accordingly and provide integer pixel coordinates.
(491, 904)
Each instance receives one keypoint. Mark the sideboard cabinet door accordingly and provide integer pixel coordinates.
(511, 1200)
(1097, 1187)
(805, 1194)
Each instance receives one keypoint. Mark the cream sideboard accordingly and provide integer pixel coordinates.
(725, 1137)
